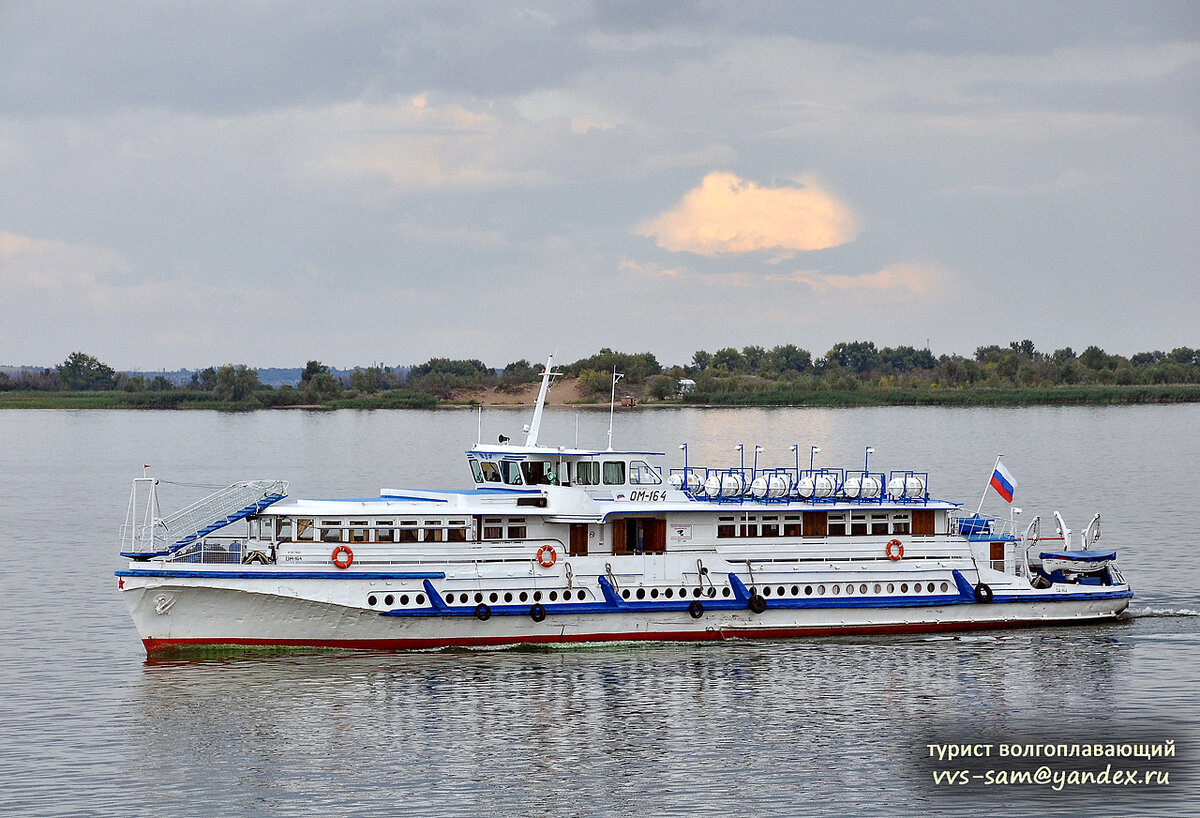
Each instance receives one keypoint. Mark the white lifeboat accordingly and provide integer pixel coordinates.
(906, 487)
(727, 484)
(816, 486)
(862, 487)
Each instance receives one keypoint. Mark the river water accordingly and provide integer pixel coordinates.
(802, 727)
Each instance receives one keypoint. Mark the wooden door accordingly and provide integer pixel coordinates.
(816, 524)
(579, 540)
(618, 537)
(922, 522)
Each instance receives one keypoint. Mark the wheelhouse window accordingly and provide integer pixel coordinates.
(476, 471)
(587, 473)
(614, 472)
(490, 472)
(539, 473)
(510, 471)
(642, 473)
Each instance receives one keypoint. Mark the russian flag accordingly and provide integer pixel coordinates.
(1003, 482)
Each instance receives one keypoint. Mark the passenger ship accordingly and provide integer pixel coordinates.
(553, 544)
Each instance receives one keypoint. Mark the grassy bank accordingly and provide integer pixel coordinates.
(1100, 395)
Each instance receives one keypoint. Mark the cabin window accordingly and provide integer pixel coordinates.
(304, 530)
(725, 527)
(791, 525)
(476, 472)
(837, 525)
(879, 524)
(492, 530)
(901, 524)
(510, 471)
(491, 472)
(539, 473)
(285, 529)
(614, 472)
(858, 525)
(433, 531)
(748, 527)
(457, 531)
(384, 531)
(359, 531)
(770, 526)
(642, 473)
(407, 531)
(265, 528)
(587, 473)
(516, 528)
(331, 531)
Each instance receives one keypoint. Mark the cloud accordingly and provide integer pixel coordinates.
(910, 279)
(727, 214)
(49, 266)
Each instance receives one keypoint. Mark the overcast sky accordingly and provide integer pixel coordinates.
(190, 184)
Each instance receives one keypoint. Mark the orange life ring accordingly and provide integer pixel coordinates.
(343, 557)
(547, 556)
(895, 556)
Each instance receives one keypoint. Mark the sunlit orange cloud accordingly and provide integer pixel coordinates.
(910, 278)
(727, 214)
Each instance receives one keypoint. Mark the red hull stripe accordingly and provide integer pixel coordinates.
(154, 646)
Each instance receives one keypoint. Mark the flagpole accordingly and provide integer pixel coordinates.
(989, 485)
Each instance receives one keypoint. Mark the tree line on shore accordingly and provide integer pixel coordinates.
(782, 374)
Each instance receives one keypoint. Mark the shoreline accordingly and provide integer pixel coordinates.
(1092, 395)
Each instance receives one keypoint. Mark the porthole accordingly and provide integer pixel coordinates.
(670, 592)
(695, 592)
(641, 593)
(553, 596)
(579, 594)
(904, 588)
(524, 597)
(795, 590)
(537, 596)
(931, 587)
(945, 587)
(567, 595)
(712, 592)
(837, 589)
(766, 591)
(478, 597)
(891, 588)
(877, 588)
(724, 592)
(682, 593)
(820, 590)
(389, 599)
(494, 597)
(371, 601)
(420, 599)
(849, 590)
(862, 589)
(781, 591)
(449, 599)
(808, 590)
(508, 597)
(403, 599)
(625, 593)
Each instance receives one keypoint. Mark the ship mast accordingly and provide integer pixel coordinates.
(547, 376)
